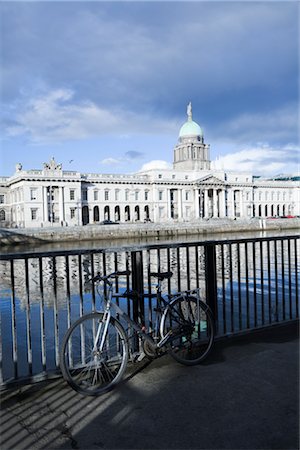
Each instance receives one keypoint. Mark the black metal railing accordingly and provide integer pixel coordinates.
(248, 283)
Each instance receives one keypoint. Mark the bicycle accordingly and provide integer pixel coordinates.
(95, 349)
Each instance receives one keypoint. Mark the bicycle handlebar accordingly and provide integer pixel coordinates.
(105, 278)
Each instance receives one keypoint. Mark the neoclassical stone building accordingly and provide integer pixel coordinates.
(191, 191)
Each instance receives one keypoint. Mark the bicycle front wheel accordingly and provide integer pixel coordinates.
(192, 328)
(87, 368)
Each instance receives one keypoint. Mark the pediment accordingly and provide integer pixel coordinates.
(210, 180)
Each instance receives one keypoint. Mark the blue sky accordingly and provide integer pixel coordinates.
(103, 86)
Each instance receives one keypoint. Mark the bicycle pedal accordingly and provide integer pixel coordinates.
(138, 356)
(141, 356)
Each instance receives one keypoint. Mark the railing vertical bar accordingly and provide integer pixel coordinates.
(290, 278)
(67, 271)
(169, 268)
(296, 278)
(262, 283)
(197, 265)
(283, 279)
(149, 289)
(158, 260)
(80, 285)
(13, 320)
(93, 284)
(188, 268)
(28, 319)
(127, 264)
(55, 310)
(269, 283)
(223, 290)
(276, 282)
(239, 286)
(42, 314)
(231, 289)
(247, 286)
(178, 270)
(1, 354)
(254, 283)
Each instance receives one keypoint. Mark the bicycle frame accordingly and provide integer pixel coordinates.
(140, 332)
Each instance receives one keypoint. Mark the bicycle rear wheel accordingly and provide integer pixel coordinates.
(87, 369)
(192, 326)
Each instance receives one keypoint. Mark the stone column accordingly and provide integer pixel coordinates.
(179, 201)
(168, 193)
(206, 203)
(215, 203)
(196, 203)
(61, 204)
(45, 205)
(222, 203)
(231, 196)
(155, 203)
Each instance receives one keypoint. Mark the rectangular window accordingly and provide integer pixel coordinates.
(72, 194)
(136, 195)
(95, 195)
(160, 195)
(72, 213)
(1, 198)
(117, 194)
(187, 195)
(33, 194)
(106, 195)
(34, 214)
(146, 195)
(126, 195)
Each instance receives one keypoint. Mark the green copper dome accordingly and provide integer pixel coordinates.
(190, 128)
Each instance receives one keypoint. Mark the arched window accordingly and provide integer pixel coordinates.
(127, 213)
(266, 210)
(96, 213)
(106, 213)
(146, 211)
(137, 213)
(2, 215)
(85, 215)
(117, 214)
(283, 210)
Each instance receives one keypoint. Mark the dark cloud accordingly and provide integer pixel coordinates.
(134, 154)
(230, 58)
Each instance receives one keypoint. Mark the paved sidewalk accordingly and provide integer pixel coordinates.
(246, 396)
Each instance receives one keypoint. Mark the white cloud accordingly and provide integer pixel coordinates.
(56, 117)
(156, 164)
(274, 125)
(261, 160)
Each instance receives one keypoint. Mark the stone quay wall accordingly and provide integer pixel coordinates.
(143, 230)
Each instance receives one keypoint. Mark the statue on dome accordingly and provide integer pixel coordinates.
(189, 111)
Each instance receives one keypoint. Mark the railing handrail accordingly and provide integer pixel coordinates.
(139, 247)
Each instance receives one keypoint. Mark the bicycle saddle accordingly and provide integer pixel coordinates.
(161, 275)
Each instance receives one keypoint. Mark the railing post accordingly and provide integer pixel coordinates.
(211, 280)
(138, 286)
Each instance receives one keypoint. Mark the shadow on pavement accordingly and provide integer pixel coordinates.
(244, 397)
